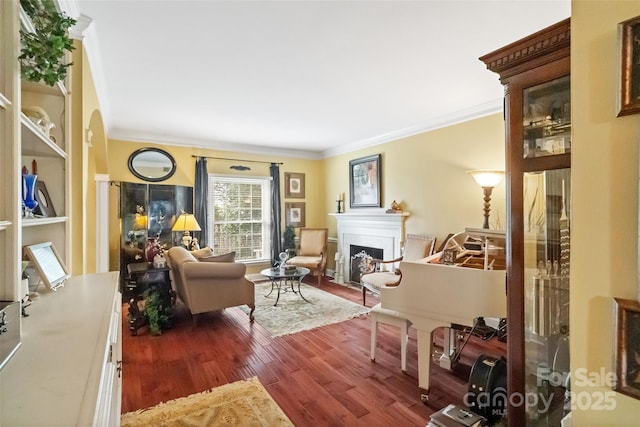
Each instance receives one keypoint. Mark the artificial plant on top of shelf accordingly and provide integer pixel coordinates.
(43, 50)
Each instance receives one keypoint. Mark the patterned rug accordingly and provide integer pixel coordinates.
(293, 314)
(242, 403)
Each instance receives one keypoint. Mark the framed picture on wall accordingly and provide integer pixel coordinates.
(628, 347)
(364, 182)
(294, 214)
(293, 185)
(629, 39)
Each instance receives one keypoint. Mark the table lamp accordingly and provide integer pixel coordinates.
(186, 222)
(487, 179)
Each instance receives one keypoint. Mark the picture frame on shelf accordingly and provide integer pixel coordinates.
(628, 347)
(629, 40)
(449, 256)
(294, 185)
(45, 205)
(364, 182)
(47, 261)
(294, 214)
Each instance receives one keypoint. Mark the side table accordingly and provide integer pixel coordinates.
(144, 278)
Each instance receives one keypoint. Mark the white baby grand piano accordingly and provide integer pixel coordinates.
(432, 294)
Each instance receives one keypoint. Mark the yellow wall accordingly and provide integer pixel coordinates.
(88, 158)
(604, 229)
(424, 173)
(119, 152)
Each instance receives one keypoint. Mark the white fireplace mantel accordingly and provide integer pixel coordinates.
(371, 228)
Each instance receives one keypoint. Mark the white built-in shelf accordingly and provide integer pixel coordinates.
(34, 222)
(4, 102)
(4, 225)
(36, 143)
(58, 90)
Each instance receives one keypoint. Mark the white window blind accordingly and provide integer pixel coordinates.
(240, 216)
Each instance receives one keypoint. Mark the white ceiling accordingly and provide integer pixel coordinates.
(312, 78)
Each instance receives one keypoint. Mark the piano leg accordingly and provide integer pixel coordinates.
(449, 348)
(425, 344)
(424, 363)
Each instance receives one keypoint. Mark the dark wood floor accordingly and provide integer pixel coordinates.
(321, 377)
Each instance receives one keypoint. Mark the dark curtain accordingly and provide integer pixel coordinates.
(276, 215)
(200, 195)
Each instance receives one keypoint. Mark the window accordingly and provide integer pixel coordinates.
(240, 216)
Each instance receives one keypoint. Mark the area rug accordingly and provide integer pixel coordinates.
(242, 403)
(293, 314)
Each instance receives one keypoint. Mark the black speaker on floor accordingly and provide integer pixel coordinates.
(487, 394)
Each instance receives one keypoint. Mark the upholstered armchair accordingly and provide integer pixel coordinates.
(209, 283)
(415, 247)
(312, 251)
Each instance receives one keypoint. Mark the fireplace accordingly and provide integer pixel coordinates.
(369, 228)
(360, 260)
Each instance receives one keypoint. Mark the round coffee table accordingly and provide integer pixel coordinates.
(277, 277)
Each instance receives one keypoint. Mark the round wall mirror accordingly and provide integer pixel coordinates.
(152, 164)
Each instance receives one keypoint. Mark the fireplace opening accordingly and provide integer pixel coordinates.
(361, 257)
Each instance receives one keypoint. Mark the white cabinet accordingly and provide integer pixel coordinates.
(67, 371)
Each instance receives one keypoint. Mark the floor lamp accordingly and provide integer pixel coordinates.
(487, 179)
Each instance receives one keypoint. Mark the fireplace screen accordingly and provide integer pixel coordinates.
(361, 257)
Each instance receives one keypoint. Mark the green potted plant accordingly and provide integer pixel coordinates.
(158, 309)
(43, 49)
(289, 237)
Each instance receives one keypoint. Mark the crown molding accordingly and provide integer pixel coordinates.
(459, 116)
(546, 45)
(441, 122)
(85, 32)
(215, 145)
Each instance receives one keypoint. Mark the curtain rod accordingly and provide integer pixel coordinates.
(238, 160)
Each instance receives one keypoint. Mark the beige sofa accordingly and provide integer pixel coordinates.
(209, 283)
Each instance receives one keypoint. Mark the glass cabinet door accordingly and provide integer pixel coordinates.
(547, 244)
(547, 118)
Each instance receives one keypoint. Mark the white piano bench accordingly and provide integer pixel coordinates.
(390, 317)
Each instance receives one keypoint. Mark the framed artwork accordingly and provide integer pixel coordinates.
(44, 256)
(294, 185)
(628, 348)
(364, 182)
(294, 214)
(45, 205)
(629, 39)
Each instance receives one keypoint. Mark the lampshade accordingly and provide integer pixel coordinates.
(486, 178)
(186, 222)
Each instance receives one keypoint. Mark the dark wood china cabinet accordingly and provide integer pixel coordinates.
(535, 72)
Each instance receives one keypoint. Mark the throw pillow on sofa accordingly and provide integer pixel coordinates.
(230, 257)
(201, 253)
